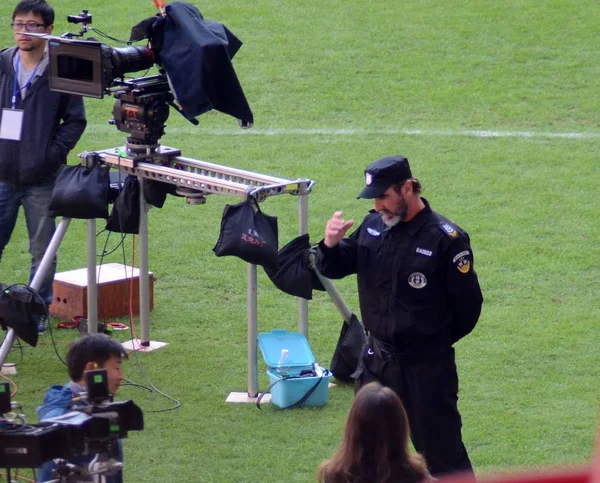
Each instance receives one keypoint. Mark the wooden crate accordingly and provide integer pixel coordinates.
(70, 291)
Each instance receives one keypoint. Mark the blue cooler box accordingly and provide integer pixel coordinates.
(289, 391)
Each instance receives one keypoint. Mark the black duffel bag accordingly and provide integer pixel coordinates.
(248, 233)
(81, 192)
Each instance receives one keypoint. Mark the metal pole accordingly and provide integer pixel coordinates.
(302, 229)
(92, 274)
(143, 272)
(38, 278)
(252, 317)
(331, 289)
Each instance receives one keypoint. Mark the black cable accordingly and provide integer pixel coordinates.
(126, 42)
(15, 364)
(177, 403)
(104, 252)
(140, 368)
(54, 341)
(140, 386)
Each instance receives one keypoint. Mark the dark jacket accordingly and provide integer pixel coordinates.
(416, 281)
(53, 122)
(58, 401)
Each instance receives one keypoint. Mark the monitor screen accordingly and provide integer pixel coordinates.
(76, 67)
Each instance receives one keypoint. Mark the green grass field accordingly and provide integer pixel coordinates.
(496, 106)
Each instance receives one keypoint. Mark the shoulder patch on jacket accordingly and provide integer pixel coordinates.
(462, 261)
(449, 229)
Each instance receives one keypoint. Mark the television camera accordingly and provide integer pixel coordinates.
(83, 442)
(193, 56)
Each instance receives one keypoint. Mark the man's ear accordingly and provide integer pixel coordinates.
(90, 366)
(406, 188)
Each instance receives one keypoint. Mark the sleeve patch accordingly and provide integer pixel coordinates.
(462, 261)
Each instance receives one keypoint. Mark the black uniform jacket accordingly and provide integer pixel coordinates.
(416, 281)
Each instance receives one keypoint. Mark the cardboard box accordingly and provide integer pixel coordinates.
(113, 282)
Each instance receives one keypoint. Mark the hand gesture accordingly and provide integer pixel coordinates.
(336, 229)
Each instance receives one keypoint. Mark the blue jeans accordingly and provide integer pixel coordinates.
(35, 200)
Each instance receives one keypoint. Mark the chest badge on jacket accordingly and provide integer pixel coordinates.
(417, 280)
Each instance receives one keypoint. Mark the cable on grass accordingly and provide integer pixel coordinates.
(22, 478)
(12, 383)
(134, 340)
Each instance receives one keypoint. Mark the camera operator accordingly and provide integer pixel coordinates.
(94, 351)
(38, 129)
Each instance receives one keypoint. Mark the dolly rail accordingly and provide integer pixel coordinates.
(201, 178)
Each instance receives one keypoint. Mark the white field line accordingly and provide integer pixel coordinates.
(366, 132)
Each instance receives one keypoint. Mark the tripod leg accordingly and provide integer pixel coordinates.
(38, 278)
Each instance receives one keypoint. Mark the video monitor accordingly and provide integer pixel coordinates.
(76, 68)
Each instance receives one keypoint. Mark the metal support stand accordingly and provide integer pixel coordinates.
(202, 178)
(92, 287)
(144, 277)
(302, 229)
(252, 316)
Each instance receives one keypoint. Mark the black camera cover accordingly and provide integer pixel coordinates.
(197, 53)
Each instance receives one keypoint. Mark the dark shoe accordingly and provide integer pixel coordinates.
(42, 325)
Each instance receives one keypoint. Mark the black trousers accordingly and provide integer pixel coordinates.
(427, 384)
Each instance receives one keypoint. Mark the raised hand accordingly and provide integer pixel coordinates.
(336, 229)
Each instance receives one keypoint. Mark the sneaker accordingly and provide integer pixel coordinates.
(41, 325)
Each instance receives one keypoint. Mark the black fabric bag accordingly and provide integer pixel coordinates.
(248, 233)
(155, 192)
(20, 309)
(292, 273)
(81, 193)
(125, 214)
(348, 350)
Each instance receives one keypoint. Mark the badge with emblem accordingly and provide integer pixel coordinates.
(417, 280)
(373, 232)
(462, 261)
(368, 178)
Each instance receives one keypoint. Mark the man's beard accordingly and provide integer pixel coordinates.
(392, 219)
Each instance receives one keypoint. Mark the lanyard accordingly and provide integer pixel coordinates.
(16, 89)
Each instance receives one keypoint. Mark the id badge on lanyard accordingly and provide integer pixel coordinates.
(11, 125)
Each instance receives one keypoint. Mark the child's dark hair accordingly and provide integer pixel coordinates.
(91, 348)
(38, 7)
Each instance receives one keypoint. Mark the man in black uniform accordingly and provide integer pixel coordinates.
(419, 294)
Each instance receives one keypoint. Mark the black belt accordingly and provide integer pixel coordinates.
(436, 349)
